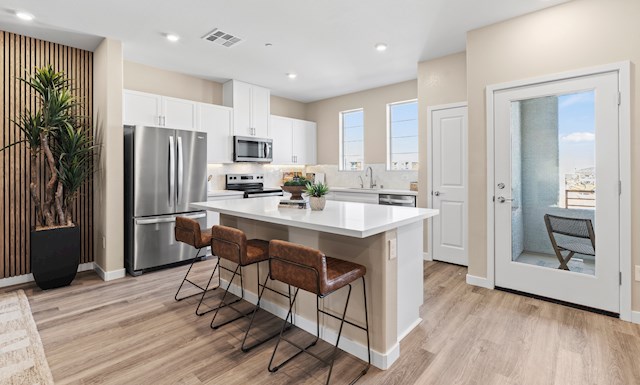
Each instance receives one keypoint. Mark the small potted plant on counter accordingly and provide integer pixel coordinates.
(317, 192)
(295, 187)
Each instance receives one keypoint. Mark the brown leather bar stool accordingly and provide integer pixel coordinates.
(188, 231)
(310, 270)
(232, 245)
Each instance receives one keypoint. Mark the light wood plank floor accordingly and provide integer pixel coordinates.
(131, 331)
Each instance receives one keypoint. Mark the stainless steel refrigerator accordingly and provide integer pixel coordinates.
(165, 171)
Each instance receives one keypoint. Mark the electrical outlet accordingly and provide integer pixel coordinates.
(393, 249)
(638, 273)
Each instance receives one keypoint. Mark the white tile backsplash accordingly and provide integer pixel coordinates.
(273, 175)
(383, 178)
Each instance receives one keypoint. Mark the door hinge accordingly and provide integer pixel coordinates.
(620, 275)
(619, 98)
(493, 199)
(619, 187)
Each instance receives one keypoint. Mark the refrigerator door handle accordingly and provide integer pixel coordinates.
(195, 216)
(154, 221)
(180, 169)
(172, 171)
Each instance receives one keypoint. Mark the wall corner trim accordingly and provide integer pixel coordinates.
(426, 256)
(109, 275)
(479, 281)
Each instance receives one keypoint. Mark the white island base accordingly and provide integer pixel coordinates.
(392, 256)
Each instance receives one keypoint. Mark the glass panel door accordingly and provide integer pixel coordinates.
(556, 190)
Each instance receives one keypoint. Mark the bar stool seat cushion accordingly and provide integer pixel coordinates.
(232, 245)
(339, 274)
(257, 251)
(188, 231)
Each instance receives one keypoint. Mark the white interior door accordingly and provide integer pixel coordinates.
(449, 185)
(556, 144)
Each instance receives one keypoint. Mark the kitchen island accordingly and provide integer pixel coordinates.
(388, 240)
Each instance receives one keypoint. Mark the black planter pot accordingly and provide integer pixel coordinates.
(55, 255)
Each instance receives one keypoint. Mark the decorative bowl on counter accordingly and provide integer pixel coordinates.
(295, 191)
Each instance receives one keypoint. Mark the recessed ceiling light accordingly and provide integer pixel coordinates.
(291, 75)
(381, 47)
(173, 37)
(24, 16)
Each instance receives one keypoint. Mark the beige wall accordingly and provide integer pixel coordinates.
(325, 113)
(440, 81)
(140, 77)
(287, 107)
(108, 183)
(574, 35)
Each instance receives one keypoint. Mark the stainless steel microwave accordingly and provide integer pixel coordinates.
(251, 149)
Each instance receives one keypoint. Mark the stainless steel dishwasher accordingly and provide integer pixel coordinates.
(397, 200)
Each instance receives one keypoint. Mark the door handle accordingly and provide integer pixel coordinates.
(195, 216)
(172, 171)
(154, 221)
(438, 193)
(502, 199)
(180, 169)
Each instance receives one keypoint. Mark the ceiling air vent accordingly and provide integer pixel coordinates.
(220, 37)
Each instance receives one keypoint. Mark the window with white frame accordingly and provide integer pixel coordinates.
(352, 140)
(402, 126)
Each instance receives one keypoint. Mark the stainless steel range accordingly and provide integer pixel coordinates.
(251, 184)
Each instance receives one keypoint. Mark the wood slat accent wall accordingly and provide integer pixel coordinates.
(19, 56)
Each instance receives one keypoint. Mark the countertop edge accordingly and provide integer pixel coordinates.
(317, 227)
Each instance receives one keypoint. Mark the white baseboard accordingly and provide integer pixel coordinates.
(25, 278)
(635, 317)
(409, 329)
(380, 360)
(479, 281)
(426, 256)
(110, 275)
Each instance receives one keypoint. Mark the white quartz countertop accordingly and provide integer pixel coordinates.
(224, 193)
(352, 219)
(373, 190)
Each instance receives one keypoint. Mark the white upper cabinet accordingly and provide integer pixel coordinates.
(154, 110)
(294, 141)
(280, 131)
(251, 107)
(216, 121)
(180, 113)
(304, 142)
(141, 108)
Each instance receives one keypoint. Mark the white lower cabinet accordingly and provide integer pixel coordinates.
(353, 197)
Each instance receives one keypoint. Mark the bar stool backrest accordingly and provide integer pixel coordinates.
(188, 231)
(297, 265)
(229, 243)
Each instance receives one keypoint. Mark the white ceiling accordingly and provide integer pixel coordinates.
(328, 43)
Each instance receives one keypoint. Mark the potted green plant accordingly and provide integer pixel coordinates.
(317, 192)
(295, 187)
(54, 131)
